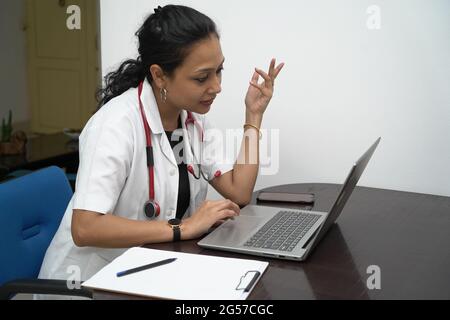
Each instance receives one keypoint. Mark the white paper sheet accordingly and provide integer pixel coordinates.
(190, 277)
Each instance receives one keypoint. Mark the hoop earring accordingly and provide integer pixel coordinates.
(163, 95)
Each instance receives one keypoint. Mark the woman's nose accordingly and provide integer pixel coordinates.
(216, 86)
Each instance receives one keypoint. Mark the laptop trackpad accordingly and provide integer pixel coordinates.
(235, 232)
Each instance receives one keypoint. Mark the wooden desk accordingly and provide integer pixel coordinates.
(406, 234)
(43, 151)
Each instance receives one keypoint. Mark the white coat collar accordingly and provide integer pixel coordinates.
(151, 108)
(154, 120)
(152, 111)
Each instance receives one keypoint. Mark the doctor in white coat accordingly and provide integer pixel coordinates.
(147, 155)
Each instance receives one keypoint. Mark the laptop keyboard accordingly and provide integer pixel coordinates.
(284, 231)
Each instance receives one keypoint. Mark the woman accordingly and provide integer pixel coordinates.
(129, 182)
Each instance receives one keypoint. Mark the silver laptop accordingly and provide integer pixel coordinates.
(279, 232)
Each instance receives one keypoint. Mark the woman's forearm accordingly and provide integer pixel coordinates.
(91, 229)
(246, 168)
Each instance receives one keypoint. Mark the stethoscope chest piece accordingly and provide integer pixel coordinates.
(151, 209)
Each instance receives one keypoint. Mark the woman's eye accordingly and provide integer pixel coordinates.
(202, 80)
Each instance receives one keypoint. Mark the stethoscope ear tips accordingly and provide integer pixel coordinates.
(151, 209)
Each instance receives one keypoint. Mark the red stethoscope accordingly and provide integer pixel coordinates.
(151, 207)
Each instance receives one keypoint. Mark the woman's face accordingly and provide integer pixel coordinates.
(196, 83)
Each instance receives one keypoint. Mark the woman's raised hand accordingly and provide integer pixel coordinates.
(259, 95)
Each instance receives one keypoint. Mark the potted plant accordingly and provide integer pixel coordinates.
(11, 144)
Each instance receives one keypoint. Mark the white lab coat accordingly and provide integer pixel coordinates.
(113, 178)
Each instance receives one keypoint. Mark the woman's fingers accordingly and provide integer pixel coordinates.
(218, 223)
(278, 69)
(272, 69)
(268, 80)
(227, 214)
(255, 80)
(273, 72)
(257, 86)
(255, 77)
(228, 204)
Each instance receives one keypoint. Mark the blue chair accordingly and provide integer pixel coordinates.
(31, 210)
(20, 173)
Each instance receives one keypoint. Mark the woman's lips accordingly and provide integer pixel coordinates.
(207, 102)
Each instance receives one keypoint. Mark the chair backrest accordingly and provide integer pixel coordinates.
(31, 209)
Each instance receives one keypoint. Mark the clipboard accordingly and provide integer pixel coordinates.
(190, 277)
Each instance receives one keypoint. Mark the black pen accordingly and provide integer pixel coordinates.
(148, 266)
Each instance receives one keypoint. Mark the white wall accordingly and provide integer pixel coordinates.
(343, 85)
(13, 74)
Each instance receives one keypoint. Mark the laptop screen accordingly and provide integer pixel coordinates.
(345, 193)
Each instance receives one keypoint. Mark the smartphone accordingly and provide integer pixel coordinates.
(307, 198)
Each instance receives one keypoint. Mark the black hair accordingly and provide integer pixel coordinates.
(164, 39)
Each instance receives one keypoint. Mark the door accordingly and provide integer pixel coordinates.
(63, 64)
